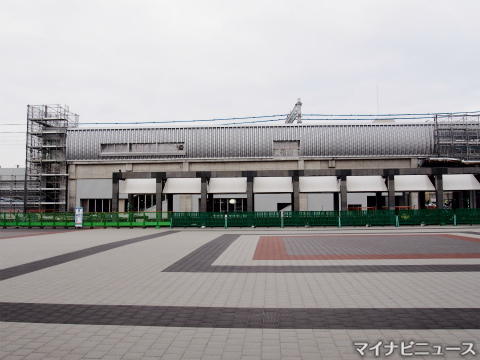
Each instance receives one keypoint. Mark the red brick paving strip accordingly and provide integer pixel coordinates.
(273, 248)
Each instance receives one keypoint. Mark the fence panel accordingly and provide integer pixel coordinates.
(367, 217)
(268, 218)
(426, 217)
(468, 216)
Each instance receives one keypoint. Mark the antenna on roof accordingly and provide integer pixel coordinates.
(296, 113)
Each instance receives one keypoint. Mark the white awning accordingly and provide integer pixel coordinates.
(413, 183)
(139, 186)
(272, 185)
(227, 185)
(460, 182)
(366, 184)
(316, 184)
(183, 186)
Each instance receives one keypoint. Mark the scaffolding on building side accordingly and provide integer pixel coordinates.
(46, 173)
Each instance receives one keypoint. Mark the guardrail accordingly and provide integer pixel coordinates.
(247, 219)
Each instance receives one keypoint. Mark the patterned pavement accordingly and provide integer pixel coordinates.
(240, 293)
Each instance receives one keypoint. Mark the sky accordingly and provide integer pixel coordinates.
(156, 60)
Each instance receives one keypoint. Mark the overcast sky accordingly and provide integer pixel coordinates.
(126, 61)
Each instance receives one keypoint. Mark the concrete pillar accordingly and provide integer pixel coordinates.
(296, 194)
(379, 201)
(391, 192)
(303, 199)
(130, 203)
(115, 189)
(343, 192)
(473, 199)
(439, 187)
(203, 197)
(250, 198)
(186, 203)
(158, 194)
(413, 201)
(336, 199)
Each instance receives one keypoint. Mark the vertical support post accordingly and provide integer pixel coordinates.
(203, 198)
(439, 187)
(296, 194)
(130, 203)
(336, 199)
(250, 204)
(158, 193)
(115, 190)
(343, 192)
(391, 192)
(379, 200)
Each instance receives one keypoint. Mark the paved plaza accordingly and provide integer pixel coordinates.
(293, 293)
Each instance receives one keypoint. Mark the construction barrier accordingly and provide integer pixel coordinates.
(247, 219)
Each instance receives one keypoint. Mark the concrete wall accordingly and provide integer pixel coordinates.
(268, 202)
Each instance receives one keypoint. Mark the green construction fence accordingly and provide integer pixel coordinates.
(247, 219)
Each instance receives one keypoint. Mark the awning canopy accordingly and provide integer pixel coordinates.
(272, 185)
(366, 184)
(139, 186)
(227, 185)
(316, 184)
(460, 182)
(413, 183)
(183, 186)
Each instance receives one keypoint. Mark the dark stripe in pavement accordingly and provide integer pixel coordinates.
(201, 260)
(257, 318)
(23, 269)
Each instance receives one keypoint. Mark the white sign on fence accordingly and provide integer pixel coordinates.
(79, 217)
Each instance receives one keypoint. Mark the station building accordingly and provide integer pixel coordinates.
(295, 167)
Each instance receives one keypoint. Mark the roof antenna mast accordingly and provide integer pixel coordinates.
(296, 113)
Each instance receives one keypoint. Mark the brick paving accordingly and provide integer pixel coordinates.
(200, 294)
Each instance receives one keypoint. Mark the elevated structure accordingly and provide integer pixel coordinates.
(46, 174)
(458, 137)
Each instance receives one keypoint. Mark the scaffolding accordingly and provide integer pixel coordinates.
(46, 173)
(12, 188)
(458, 137)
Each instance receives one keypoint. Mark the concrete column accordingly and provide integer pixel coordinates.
(296, 194)
(303, 198)
(250, 198)
(186, 203)
(130, 203)
(379, 201)
(439, 187)
(203, 198)
(413, 201)
(115, 190)
(158, 194)
(391, 192)
(336, 199)
(473, 199)
(343, 192)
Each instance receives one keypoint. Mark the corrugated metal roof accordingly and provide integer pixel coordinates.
(257, 141)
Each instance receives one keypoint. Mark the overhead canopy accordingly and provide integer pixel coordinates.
(413, 183)
(460, 182)
(227, 185)
(139, 186)
(272, 185)
(183, 186)
(315, 184)
(366, 184)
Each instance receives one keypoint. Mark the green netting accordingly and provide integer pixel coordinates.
(426, 217)
(468, 216)
(367, 218)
